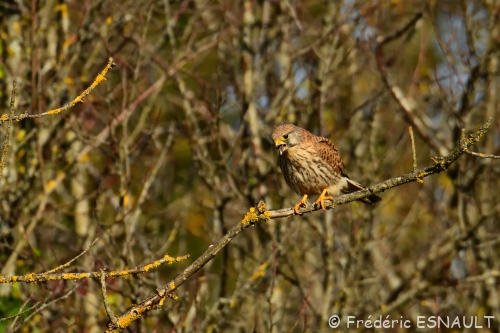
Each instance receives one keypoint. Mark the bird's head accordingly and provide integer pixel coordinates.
(286, 136)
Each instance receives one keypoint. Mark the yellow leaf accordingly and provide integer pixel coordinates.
(195, 224)
(20, 135)
(17, 27)
(63, 8)
(50, 185)
(84, 158)
(261, 271)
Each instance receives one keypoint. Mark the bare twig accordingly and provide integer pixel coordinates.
(269, 300)
(16, 319)
(72, 260)
(6, 143)
(413, 151)
(37, 304)
(45, 305)
(481, 155)
(109, 311)
(99, 78)
(382, 40)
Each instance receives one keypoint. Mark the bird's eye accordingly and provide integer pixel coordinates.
(285, 136)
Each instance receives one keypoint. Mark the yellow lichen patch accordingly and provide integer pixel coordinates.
(168, 259)
(98, 80)
(29, 277)
(261, 271)
(120, 273)
(109, 20)
(73, 276)
(250, 216)
(53, 112)
(148, 267)
(171, 285)
(180, 258)
(4, 117)
(261, 206)
(127, 319)
(162, 300)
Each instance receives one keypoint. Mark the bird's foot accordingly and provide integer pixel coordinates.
(322, 198)
(302, 203)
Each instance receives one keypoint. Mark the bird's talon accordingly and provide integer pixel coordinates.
(302, 203)
(322, 198)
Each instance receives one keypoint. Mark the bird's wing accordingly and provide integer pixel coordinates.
(328, 153)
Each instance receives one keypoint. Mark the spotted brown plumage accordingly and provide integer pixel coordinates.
(312, 165)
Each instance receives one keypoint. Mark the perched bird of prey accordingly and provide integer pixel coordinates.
(311, 165)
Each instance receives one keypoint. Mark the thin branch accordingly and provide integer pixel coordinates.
(481, 155)
(98, 80)
(407, 105)
(467, 150)
(269, 299)
(37, 304)
(44, 277)
(261, 214)
(6, 143)
(72, 260)
(483, 277)
(382, 40)
(109, 312)
(45, 305)
(413, 151)
(14, 322)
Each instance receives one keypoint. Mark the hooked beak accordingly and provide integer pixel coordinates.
(281, 146)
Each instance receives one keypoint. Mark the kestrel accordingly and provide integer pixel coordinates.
(311, 165)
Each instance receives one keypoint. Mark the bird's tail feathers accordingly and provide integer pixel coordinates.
(353, 186)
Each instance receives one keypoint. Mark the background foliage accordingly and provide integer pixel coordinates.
(173, 148)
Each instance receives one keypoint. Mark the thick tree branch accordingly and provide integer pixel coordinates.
(261, 214)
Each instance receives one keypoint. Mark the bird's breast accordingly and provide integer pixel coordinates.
(305, 172)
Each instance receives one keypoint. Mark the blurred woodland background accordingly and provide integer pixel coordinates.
(172, 150)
